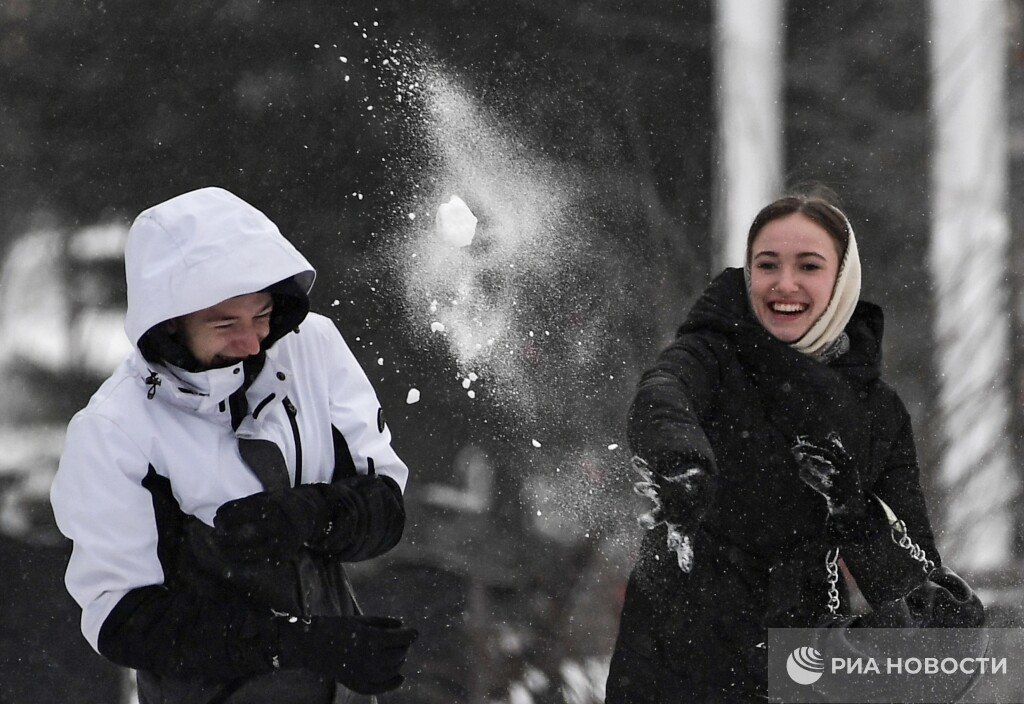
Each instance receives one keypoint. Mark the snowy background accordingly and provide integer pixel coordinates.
(588, 141)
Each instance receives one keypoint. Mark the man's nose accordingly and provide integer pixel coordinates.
(248, 343)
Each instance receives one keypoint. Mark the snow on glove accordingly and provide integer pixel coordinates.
(364, 653)
(271, 523)
(830, 470)
(680, 502)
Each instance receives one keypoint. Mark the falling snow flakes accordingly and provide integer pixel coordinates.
(413, 397)
(534, 443)
(436, 327)
(613, 446)
(380, 361)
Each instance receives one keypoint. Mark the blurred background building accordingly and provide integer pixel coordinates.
(614, 153)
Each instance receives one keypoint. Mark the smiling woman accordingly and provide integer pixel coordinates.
(763, 435)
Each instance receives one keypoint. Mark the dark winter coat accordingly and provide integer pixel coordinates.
(728, 396)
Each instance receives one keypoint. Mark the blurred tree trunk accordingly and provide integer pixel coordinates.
(968, 257)
(749, 51)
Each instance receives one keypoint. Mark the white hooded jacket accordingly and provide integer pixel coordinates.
(184, 255)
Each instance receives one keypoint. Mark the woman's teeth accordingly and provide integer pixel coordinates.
(789, 307)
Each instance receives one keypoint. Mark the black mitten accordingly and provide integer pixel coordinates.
(829, 469)
(270, 523)
(351, 519)
(681, 498)
(364, 653)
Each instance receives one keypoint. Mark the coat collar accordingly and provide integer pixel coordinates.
(207, 392)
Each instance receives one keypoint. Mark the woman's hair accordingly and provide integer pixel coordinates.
(815, 207)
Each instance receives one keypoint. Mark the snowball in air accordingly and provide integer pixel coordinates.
(436, 327)
(455, 223)
(413, 397)
(535, 443)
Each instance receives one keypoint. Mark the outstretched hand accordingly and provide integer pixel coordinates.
(680, 501)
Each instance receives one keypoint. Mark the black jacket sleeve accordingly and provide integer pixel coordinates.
(178, 633)
(900, 485)
(364, 516)
(664, 424)
(883, 569)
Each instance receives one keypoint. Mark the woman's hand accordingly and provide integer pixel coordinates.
(830, 470)
(680, 501)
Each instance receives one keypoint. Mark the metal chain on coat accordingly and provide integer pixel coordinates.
(915, 550)
(832, 568)
(899, 535)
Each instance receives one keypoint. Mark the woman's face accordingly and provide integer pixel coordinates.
(793, 267)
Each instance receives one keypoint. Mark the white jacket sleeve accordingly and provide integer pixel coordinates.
(99, 502)
(356, 412)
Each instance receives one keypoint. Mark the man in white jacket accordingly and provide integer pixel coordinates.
(216, 482)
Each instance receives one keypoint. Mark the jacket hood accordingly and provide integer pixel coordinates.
(200, 248)
(724, 307)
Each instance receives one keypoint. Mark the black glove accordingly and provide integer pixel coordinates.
(350, 519)
(364, 653)
(830, 470)
(681, 497)
(271, 523)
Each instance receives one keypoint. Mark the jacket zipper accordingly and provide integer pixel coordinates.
(289, 409)
(304, 569)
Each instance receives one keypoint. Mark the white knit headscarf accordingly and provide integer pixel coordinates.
(845, 294)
